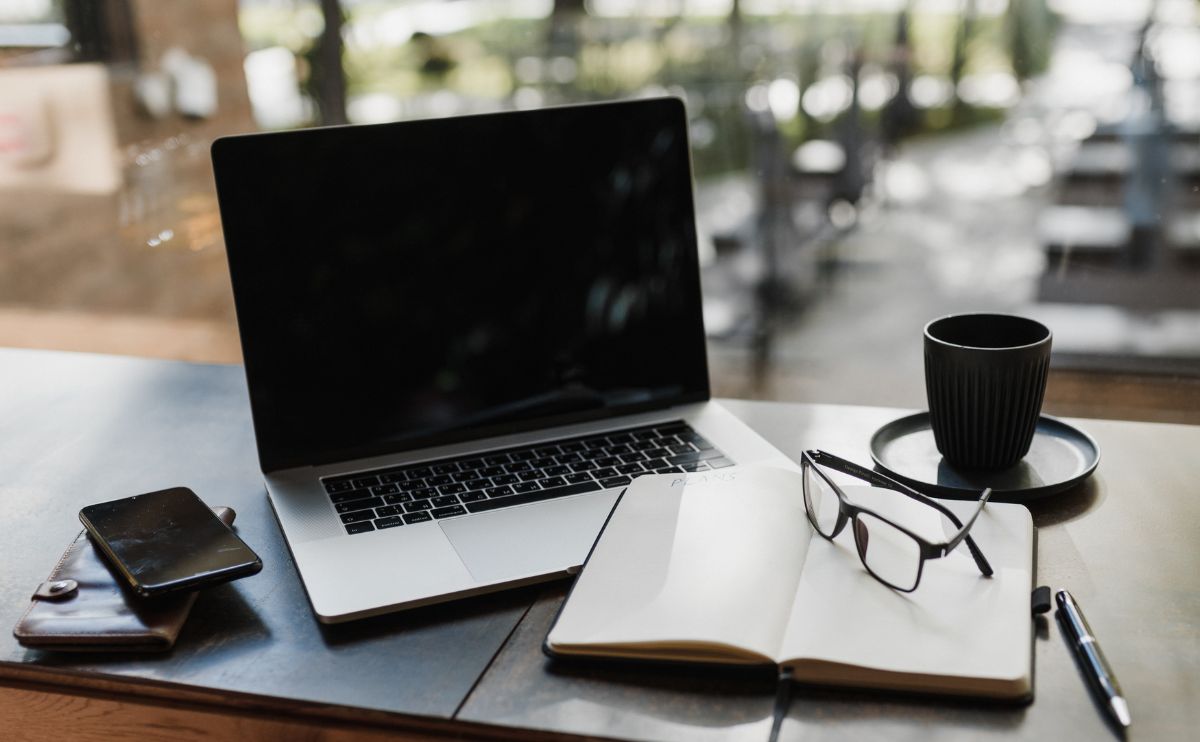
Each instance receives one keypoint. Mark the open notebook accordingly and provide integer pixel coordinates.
(724, 567)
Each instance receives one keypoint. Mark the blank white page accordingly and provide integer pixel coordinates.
(710, 558)
(956, 624)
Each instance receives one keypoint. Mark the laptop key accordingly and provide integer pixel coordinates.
(694, 466)
(673, 429)
(358, 517)
(526, 487)
(419, 473)
(418, 517)
(573, 447)
(630, 468)
(516, 467)
(492, 471)
(521, 455)
(452, 489)
(692, 456)
(397, 499)
(384, 489)
(390, 522)
(347, 507)
(499, 491)
(412, 484)
(552, 482)
(615, 482)
(465, 476)
(444, 468)
(470, 464)
(363, 527)
(437, 480)
(412, 507)
(535, 496)
(496, 460)
(567, 458)
(335, 486)
(350, 495)
(366, 482)
(531, 474)
(473, 496)
(444, 500)
(422, 494)
(388, 510)
(604, 473)
(478, 484)
(448, 512)
(558, 471)
(580, 477)
(505, 479)
(629, 458)
(583, 466)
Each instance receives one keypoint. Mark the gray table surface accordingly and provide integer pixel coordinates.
(77, 429)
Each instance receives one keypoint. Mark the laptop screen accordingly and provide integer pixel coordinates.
(411, 284)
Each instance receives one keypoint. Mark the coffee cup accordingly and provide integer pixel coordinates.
(985, 377)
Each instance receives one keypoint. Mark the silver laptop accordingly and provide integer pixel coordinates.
(464, 337)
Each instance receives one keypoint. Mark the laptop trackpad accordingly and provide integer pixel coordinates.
(529, 540)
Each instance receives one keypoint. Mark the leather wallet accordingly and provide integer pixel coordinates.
(86, 607)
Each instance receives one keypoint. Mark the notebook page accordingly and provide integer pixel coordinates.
(711, 558)
(957, 623)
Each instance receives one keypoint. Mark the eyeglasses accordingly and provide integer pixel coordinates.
(893, 554)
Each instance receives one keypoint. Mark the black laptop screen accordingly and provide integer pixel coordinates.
(410, 284)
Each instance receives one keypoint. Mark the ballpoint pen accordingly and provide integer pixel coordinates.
(1091, 659)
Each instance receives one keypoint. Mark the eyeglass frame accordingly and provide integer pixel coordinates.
(848, 511)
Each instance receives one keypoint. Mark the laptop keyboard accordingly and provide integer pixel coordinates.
(399, 495)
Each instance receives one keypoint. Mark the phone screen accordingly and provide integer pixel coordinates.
(168, 540)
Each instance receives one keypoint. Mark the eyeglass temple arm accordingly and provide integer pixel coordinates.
(962, 532)
(849, 467)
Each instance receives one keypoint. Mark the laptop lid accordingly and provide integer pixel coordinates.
(417, 283)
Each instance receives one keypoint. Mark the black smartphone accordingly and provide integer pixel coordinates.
(168, 540)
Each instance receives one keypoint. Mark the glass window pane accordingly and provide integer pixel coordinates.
(858, 170)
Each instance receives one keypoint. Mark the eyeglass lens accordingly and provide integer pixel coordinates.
(821, 502)
(891, 554)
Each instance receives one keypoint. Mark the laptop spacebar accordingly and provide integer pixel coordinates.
(524, 497)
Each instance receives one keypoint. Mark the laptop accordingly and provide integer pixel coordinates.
(463, 337)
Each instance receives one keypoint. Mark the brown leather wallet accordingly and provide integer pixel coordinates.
(84, 607)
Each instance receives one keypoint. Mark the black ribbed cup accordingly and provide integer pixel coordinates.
(985, 376)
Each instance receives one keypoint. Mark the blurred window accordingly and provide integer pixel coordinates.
(860, 167)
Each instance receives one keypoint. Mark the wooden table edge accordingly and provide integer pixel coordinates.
(253, 707)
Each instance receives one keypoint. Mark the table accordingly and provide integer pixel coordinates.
(253, 662)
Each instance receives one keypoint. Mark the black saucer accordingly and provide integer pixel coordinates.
(1060, 457)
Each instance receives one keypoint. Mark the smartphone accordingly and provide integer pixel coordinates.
(167, 541)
